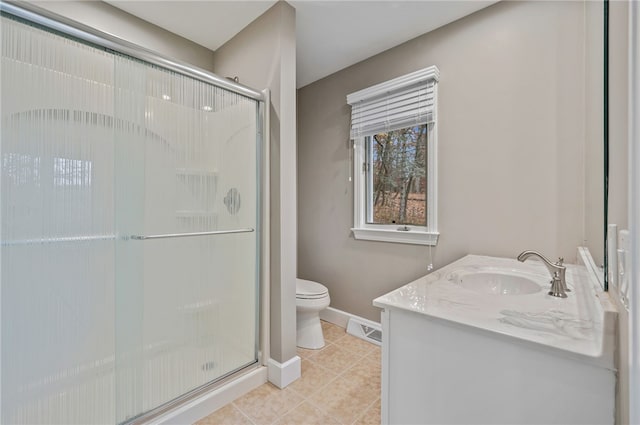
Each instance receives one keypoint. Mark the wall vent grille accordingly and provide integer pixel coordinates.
(369, 331)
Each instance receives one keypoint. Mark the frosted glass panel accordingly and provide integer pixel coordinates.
(187, 163)
(97, 326)
(57, 230)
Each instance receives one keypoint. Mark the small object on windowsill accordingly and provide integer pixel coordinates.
(404, 228)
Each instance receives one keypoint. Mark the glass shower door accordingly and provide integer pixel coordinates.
(128, 235)
(56, 233)
(186, 251)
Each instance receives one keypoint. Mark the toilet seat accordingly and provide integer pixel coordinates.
(309, 290)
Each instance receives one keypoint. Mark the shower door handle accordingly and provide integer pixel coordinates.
(188, 235)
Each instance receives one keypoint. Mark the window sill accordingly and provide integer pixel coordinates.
(397, 236)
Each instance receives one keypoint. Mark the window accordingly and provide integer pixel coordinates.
(393, 127)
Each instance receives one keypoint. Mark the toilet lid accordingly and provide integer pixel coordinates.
(309, 289)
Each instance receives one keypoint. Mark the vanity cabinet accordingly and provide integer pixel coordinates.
(449, 358)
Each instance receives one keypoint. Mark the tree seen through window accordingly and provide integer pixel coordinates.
(397, 176)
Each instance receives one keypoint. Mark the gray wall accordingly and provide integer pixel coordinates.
(263, 56)
(618, 174)
(618, 111)
(594, 130)
(107, 18)
(511, 150)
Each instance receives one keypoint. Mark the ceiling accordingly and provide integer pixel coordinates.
(331, 35)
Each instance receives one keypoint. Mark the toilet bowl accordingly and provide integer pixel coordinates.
(311, 298)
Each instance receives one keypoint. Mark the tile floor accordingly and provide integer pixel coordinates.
(340, 384)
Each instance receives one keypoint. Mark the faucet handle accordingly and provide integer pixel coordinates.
(557, 289)
(560, 263)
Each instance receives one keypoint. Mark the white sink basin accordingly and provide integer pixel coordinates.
(498, 283)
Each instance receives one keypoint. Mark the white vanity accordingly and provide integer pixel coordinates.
(479, 341)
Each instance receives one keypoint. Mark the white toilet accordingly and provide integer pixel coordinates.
(311, 298)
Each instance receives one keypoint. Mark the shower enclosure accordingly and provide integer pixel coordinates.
(130, 236)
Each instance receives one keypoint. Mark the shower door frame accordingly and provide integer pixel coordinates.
(76, 30)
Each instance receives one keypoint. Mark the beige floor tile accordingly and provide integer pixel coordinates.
(305, 353)
(332, 332)
(371, 415)
(306, 414)
(376, 354)
(340, 384)
(266, 404)
(228, 415)
(313, 378)
(355, 345)
(367, 372)
(334, 358)
(372, 361)
(345, 398)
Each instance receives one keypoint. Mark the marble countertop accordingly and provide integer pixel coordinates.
(578, 324)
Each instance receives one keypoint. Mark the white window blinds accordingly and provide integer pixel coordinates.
(398, 103)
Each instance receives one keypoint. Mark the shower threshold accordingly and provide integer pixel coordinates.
(180, 406)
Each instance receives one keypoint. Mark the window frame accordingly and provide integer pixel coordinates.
(419, 235)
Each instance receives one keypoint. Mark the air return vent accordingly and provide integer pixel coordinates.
(364, 329)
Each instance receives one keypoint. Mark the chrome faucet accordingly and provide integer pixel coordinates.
(557, 270)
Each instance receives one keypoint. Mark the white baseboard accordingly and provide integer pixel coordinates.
(341, 318)
(282, 374)
(210, 402)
